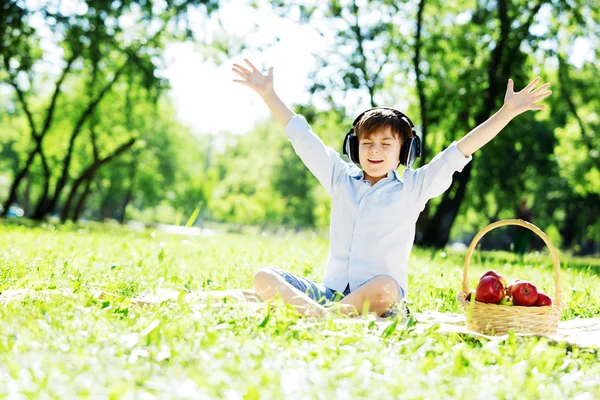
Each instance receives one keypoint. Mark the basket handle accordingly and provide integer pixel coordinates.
(524, 224)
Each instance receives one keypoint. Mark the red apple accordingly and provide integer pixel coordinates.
(496, 274)
(543, 300)
(510, 286)
(524, 293)
(489, 290)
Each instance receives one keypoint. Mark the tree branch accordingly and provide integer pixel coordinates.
(88, 111)
(67, 160)
(22, 100)
(118, 151)
(418, 73)
(89, 173)
(495, 60)
(50, 112)
(523, 29)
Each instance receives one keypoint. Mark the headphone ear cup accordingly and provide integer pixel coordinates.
(418, 149)
(411, 149)
(353, 144)
(404, 152)
(345, 148)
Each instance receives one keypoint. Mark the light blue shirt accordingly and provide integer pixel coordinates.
(372, 227)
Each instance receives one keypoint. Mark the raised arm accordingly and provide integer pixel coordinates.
(263, 85)
(323, 161)
(514, 104)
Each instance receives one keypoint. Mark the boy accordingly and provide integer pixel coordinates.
(374, 211)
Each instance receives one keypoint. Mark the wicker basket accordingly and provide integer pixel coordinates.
(495, 319)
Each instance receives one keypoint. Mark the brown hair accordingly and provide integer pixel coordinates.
(378, 119)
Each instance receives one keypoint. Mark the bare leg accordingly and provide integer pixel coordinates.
(379, 294)
(268, 283)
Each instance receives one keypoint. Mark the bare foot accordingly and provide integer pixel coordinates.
(315, 311)
(343, 309)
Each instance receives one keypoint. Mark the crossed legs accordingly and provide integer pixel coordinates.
(267, 283)
(378, 294)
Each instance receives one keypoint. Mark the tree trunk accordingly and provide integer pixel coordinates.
(38, 138)
(423, 218)
(86, 191)
(50, 205)
(62, 181)
(126, 200)
(105, 207)
(43, 200)
(129, 194)
(14, 187)
(438, 229)
(568, 232)
(26, 204)
(87, 176)
(66, 209)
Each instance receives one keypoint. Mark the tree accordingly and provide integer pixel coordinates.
(460, 58)
(92, 41)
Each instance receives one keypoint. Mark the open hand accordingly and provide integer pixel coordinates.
(254, 79)
(525, 100)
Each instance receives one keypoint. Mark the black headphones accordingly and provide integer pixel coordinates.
(410, 150)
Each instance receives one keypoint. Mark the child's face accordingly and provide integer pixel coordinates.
(382, 145)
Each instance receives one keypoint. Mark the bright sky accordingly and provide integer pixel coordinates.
(205, 95)
(209, 101)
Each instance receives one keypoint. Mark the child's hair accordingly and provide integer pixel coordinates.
(375, 120)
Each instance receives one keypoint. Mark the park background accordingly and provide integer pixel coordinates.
(126, 110)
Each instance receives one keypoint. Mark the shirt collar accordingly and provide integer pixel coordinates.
(360, 174)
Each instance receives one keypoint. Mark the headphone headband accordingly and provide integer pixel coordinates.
(398, 113)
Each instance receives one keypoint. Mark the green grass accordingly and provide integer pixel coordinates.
(66, 347)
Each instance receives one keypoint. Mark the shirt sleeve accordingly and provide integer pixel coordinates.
(322, 161)
(433, 179)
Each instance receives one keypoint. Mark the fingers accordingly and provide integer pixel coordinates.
(538, 108)
(542, 96)
(251, 65)
(511, 85)
(539, 90)
(239, 73)
(242, 69)
(242, 82)
(532, 84)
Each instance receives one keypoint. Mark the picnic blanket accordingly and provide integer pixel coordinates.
(576, 332)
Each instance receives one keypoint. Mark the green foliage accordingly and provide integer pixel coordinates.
(467, 52)
(292, 181)
(243, 193)
(263, 181)
(579, 146)
(102, 45)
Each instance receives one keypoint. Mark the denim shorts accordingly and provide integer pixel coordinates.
(325, 296)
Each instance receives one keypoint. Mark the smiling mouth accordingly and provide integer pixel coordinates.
(375, 161)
